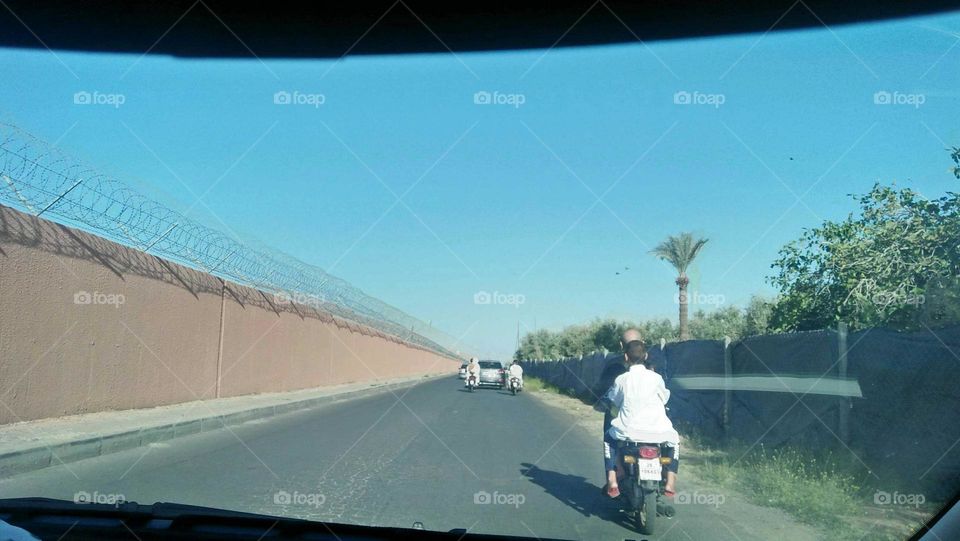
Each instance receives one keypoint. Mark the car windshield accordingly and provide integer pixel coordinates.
(248, 283)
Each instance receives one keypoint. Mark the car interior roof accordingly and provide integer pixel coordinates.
(304, 29)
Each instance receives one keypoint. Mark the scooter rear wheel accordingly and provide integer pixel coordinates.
(645, 511)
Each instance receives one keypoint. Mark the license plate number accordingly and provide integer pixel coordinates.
(649, 469)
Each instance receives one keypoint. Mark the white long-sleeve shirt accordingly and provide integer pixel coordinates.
(516, 371)
(641, 395)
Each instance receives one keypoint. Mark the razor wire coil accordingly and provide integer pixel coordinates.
(39, 178)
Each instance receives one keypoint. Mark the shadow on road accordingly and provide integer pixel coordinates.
(574, 491)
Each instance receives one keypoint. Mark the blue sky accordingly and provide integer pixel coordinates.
(545, 201)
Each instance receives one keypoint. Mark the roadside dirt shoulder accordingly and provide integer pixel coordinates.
(745, 520)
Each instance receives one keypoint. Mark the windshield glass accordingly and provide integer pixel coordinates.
(249, 284)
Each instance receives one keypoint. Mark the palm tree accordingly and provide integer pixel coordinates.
(680, 251)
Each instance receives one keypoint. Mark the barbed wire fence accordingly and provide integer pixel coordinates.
(40, 179)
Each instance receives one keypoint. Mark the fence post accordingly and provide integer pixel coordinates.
(844, 426)
(59, 197)
(664, 370)
(161, 237)
(727, 373)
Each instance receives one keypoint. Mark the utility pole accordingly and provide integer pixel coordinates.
(518, 336)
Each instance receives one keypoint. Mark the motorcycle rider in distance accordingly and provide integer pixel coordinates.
(473, 370)
(516, 371)
(640, 397)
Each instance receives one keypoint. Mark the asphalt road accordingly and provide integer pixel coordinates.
(434, 453)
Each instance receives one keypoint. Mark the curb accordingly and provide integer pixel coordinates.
(39, 457)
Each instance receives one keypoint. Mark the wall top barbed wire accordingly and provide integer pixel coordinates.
(40, 179)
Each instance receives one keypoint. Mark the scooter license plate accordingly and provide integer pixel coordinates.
(649, 469)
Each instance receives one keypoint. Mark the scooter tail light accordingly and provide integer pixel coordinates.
(649, 452)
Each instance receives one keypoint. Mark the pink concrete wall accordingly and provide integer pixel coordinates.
(266, 348)
(148, 332)
(61, 355)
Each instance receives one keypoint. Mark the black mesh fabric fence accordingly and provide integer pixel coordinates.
(911, 395)
(890, 402)
(692, 358)
(785, 413)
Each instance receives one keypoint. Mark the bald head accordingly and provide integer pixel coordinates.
(629, 335)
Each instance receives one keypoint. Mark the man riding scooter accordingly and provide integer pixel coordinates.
(516, 371)
(614, 368)
(473, 373)
(639, 396)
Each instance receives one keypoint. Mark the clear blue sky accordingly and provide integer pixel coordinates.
(503, 197)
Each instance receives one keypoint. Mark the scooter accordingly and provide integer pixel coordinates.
(515, 385)
(471, 382)
(643, 483)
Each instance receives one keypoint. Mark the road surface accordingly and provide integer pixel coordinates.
(433, 453)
